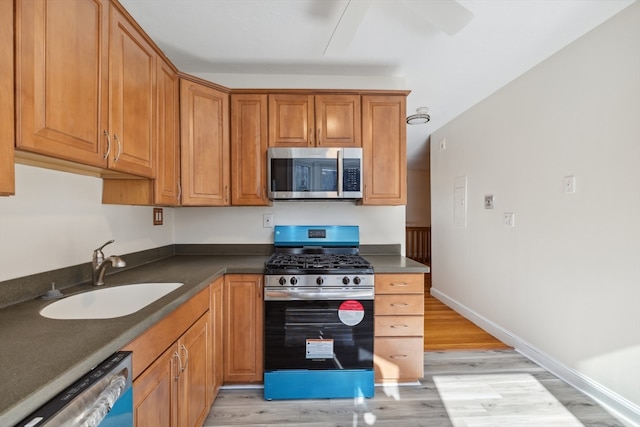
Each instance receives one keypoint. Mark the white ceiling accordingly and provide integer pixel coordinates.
(447, 73)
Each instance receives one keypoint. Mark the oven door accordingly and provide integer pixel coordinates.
(318, 334)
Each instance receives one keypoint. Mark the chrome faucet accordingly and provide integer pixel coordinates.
(99, 264)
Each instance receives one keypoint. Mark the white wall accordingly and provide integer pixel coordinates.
(418, 198)
(566, 279)
(56, 219)
(378, 224)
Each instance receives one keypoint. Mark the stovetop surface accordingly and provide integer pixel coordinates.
(322, 263)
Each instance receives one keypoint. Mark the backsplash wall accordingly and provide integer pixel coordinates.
(56, 220)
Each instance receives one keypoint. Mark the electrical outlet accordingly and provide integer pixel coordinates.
(157, 216)
(509, 219)
(267, 220)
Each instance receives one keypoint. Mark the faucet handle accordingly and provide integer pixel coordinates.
(98, 256)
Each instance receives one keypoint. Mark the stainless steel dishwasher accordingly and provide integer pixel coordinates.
(103, 397)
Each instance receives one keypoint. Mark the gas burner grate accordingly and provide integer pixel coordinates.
(313, 262)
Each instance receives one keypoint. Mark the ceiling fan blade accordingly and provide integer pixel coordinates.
(347, 26)
(448, 15)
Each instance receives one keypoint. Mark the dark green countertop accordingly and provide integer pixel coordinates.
(39, 357)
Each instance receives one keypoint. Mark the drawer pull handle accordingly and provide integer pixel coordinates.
(400, 304)
(399, 326)
(400, 284)
(399, 356)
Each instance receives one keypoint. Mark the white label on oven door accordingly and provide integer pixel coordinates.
(319, 349)
(351, 312)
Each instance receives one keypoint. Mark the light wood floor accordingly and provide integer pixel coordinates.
(453, 346)
(446, 330)
(405, 406)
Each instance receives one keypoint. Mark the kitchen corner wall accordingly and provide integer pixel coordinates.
(56, 219)
(565, 281)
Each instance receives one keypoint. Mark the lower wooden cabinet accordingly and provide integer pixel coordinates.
(243, 331)
(171, 368)
(217, 338)
(173, 390)
(399, 327)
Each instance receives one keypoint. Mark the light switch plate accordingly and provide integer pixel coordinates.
(488, 201)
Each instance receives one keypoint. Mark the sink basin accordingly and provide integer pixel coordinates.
(108, 303)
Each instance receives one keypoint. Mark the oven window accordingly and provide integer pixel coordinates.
(311, 335)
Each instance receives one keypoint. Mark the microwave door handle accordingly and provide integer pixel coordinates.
(340, 172)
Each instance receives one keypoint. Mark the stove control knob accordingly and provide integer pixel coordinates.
(356, 280)
(319, 281)
(345, 280)
(282, 281)
(293, 280)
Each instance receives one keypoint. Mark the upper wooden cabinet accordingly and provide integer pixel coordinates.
(62, 70)
(132, 65)
(166, 188)
(300, 120)
(81, 68)
(384, 150)
(249, 150)
(204, 130)
(7, 137)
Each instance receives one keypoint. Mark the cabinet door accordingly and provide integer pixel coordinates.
(243, 328)
(204, 130)
(62, 78)
(193, 347)
(338, 120)
(384, 150)
(291, 121)
(7, 137)
(132, 63)
(167, 182)
(217, 338)
(249, 150)
(155, 396)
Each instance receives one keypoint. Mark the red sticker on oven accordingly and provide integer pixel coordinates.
(351, 312)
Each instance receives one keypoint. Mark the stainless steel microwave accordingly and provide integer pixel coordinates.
(314, 173)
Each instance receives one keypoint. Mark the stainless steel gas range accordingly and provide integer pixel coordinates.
(318, 305)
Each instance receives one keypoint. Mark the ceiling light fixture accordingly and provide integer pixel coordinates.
(421, 117)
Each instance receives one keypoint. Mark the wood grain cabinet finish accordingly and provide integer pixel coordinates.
(301, 120)
(249, 150)
(399, 327)
(166, 186)
(62, 86)
(132, 113)
(81, 68)
(384, 150)
(7, 136)
(204, 135)
(217, 338)
(171, 367)
(243, 333)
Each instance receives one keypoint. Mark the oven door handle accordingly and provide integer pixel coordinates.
(285, 295)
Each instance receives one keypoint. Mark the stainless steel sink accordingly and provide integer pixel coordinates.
(108, 303)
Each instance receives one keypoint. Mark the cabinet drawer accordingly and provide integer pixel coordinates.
(398, 358)
(399, 283)
(398, 326)
(399, 304)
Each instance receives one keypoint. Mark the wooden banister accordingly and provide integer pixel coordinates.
(418, 244)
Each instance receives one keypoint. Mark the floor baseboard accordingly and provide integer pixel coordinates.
(615, 403)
